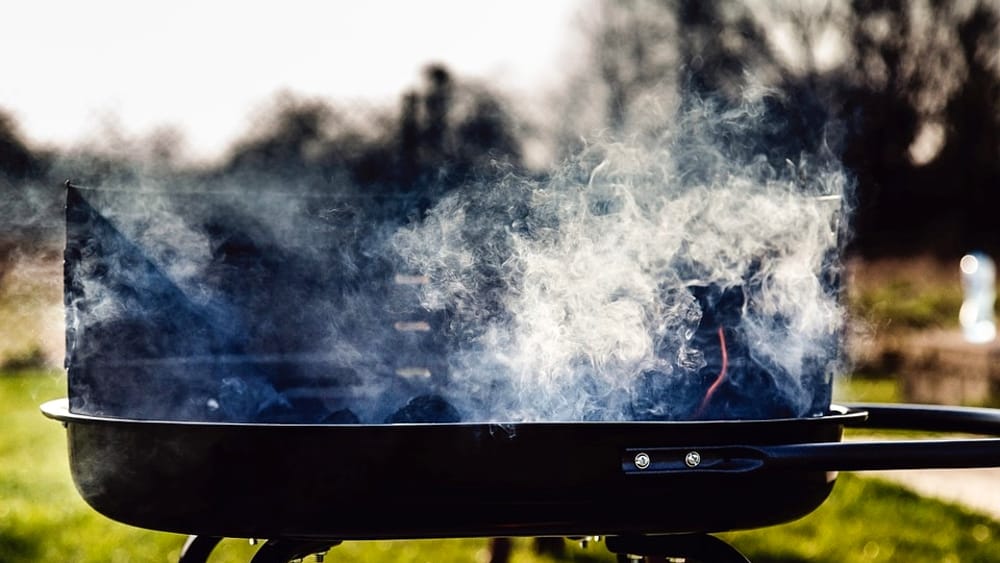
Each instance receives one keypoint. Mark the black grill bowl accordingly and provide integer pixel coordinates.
(435, 480)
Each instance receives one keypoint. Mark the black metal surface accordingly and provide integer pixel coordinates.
(931, 418)
(283, 551)
(429, 480)
(197, 549)
(692, 548)
(850, 456)
(251, 337)
(861, 456)
(460, 480)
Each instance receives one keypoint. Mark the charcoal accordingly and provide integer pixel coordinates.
(426, 408)
(342, 416)
(298, 410)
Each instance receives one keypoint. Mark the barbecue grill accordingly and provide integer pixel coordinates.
(163, 432)
(631, 481)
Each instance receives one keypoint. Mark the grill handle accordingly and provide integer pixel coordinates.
(846, 456)
(931, 418)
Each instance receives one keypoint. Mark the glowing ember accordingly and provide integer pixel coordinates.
(718, 380)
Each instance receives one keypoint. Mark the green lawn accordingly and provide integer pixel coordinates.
(908, 304)
(43, 519)
(867, 390)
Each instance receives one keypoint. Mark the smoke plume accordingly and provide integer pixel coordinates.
(688, 274)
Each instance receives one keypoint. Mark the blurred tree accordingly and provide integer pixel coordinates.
(437, 101)
(445, 133)
(451, 132)
(162, 148)
(923, 104)
(972, 132)
(881, 119)
(24, 222)
(630, 61)
(485, 133)
(914, 87)
(288, 141)
(719, 43)
(409, 135)
(16, 161)
(629, 56)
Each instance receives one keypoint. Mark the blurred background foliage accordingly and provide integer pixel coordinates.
(905, 93)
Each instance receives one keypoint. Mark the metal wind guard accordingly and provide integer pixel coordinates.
(269, 307)
(195, 306)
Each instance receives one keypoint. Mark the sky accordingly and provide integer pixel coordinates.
(71, 69)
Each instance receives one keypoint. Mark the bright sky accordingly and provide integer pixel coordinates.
(205, 65)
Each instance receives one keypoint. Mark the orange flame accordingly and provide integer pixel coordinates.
(719, 379)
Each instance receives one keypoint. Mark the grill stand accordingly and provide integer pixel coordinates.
(283, 551)
(197, 549)
(701, 548)
(692, 548)
(736, 460)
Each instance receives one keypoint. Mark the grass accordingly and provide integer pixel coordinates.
(871, 520)
(31, 325)
(43, 519)
(904, 295)
(42, 516)
(867, 390)
(905, 304)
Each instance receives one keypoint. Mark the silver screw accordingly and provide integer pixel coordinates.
(692, 459)
(642, 460)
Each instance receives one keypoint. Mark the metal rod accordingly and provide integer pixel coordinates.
(285, 550)
(197, 548)
(701, 547)
(870, 455)
(932, 418)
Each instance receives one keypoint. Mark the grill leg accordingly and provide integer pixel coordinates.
(691, 547)
(283, 551)
(197, 549)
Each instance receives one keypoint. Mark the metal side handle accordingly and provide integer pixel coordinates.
(844, 456)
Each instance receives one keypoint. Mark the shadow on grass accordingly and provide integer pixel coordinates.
(13, 547)
(780, 559)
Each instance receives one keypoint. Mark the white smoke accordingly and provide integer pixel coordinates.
(603, 292)
(570, 290)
